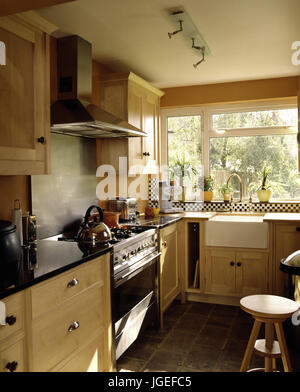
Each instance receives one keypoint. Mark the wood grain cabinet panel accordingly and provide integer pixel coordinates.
(236, 272)
(54, 291)
(287, 241)
(89, 358)
(169, 266)
(133, 99)
(24, 97)
(15, 314)
(12, 357)
(60, 332)
(72, 330)
(220, 272)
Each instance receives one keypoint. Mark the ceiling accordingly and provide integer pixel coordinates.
(248, 39)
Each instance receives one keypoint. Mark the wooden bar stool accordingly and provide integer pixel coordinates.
(273, 311)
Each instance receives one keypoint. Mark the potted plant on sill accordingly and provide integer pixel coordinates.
(181, 169)
(226, 192)
(263, 189)
(264, 192)
(208, 188)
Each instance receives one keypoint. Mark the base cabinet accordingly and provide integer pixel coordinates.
(89, 358)
(69, 320)
(169, 266)
(236, 273)
(286, 241)
(12, 357)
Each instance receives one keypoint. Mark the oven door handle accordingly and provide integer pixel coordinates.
(140, 268)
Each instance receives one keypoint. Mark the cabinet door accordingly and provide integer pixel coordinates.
(150, 114)
(12, 357)
(220, 272)
(24, 100)
(169, 268)
(287, 241)
(135, 117)
(89, 358)
(251, 273)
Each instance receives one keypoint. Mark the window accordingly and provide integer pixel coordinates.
(238, 139)
(255, 119)
(184, 141)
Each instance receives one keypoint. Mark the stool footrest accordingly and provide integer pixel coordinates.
(261, 349)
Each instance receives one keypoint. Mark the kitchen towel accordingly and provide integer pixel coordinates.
(2, 313)
(17, 219)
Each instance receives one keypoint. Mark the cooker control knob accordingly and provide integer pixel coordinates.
(124, 257)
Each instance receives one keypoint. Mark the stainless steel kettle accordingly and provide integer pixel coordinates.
(92, 231)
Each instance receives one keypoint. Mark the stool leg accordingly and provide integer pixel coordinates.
(250, 346)
(283, 348)
(269, 334)
(274, 364)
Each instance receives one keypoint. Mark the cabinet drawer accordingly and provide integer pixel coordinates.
(54, 291)
(14, 310)
(52, 339)
(12, 357)
(89, 358)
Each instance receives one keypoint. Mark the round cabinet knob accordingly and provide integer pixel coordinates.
(41, 140)
(73, 282)
(238, 263)
(12, 366)
(10, 320)
(73, 326)
(232, 263)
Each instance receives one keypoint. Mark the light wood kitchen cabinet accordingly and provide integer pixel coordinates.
(12, 335)
(25, 95)
(131, 98)
(169, 266)
(69, 318)
(286, 241)
(235, 272)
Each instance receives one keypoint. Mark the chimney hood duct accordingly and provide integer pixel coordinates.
(73, 114)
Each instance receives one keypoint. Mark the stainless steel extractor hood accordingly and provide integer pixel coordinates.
(72, 113)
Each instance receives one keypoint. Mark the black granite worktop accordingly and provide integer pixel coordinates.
(52, 258)
(159, 222)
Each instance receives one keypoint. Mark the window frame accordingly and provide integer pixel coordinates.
(207, 111)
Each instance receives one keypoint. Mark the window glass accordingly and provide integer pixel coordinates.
(247, 155)
(184, 140)
(255, 119)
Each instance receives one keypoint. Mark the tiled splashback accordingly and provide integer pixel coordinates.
(221, 206)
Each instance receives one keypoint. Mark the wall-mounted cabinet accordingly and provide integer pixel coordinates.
(25, 95)
(131, 98)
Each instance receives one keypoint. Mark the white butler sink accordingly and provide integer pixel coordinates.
(242, 231)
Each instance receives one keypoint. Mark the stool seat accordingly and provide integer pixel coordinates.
(269, 306)
(271, 310)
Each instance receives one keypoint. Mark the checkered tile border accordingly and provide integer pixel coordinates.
(221, 206)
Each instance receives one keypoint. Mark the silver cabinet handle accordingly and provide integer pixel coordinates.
(73, 282)
(73, 326)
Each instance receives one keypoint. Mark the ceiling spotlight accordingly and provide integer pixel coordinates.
(190, 32)
(177, 31)
(203, 53)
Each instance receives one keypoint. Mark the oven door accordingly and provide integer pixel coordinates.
(136, 303)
